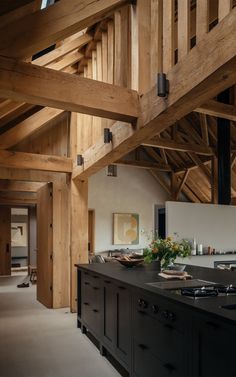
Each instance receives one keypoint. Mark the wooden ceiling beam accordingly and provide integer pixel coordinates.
(68, 60)
(37, 31)
(190, 87)
(63, 50)
(19, 186)
(39, 85)
(21, 160)
(144, 165)
(177, 146)
(18, 198)
(218, 109)
(32, 175)
(20, 12)
(28, 126)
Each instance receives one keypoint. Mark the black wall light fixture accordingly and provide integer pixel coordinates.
(80, 159)
(107, 135)
(112, 171)
(162, 85)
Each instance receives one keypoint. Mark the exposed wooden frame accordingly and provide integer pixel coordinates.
(33, 161)
(218, 109)
(177, 146)
(157, 114)
(20, 12)
(19, 186)
(39, 30)
(181, 185)
(144, 164)
(39, 85)
(63, 50)
(28, 126)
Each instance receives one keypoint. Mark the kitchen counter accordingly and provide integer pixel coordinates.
(140, 275)
(154, 332)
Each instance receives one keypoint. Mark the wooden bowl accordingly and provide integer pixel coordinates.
(129, 263)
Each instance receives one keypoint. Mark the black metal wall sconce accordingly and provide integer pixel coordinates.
(162, 85)
(107, 135)
(80, 159)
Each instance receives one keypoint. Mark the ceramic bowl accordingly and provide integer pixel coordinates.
(129, 263)
(177, 267)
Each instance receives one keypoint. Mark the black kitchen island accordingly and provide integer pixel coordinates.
(158, 332)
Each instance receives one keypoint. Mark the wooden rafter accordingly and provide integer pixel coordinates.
(182, 147)
(33, 161)
(39, 85)
(25, 128)
(41, 29)
(19, 186)
(63, 50)
(199, 86)
(144, 164)
(218, 109)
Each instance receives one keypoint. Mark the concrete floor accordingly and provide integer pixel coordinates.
(38, 342)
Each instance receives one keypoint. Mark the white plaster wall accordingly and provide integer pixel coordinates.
(133, 191)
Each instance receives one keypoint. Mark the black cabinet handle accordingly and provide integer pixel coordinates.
(143, 347)
(213, 325)
(86, 303)
(95, 310)
(96, 277)
(7, 248)
(169, 366)
(107, 281)
(86, 283)
(96, 288)
(121, 287)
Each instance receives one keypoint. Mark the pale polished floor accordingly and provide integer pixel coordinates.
(38, 342)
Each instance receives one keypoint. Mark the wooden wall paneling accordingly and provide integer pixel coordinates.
(61, 251)
(168, 35)
(5, 240)
(45, 246)
(121, 50)
(28, 126)
(134, 48)
(110, 52)
(96, 128)
(104, 57)
(79, 233)
(52, 139)
(183, 28)
(225, 7)
(18, 198)
(202, 19)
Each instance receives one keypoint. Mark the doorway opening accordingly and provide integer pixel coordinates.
(160, 221)
(19, 241)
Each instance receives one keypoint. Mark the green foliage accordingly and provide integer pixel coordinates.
(166, 250)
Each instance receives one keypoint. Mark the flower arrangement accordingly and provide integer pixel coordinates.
(166, 250)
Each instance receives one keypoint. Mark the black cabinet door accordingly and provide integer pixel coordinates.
(123, 323)
(91, 302)
(109, 313)
(215, 353)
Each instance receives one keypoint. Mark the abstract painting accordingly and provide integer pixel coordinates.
(125, 228)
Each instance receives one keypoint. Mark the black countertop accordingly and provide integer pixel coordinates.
(140, 275)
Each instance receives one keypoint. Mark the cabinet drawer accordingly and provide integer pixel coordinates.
(145, 364)
(161, 339)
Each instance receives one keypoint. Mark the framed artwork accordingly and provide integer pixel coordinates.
(18, 234)
(125, 228)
